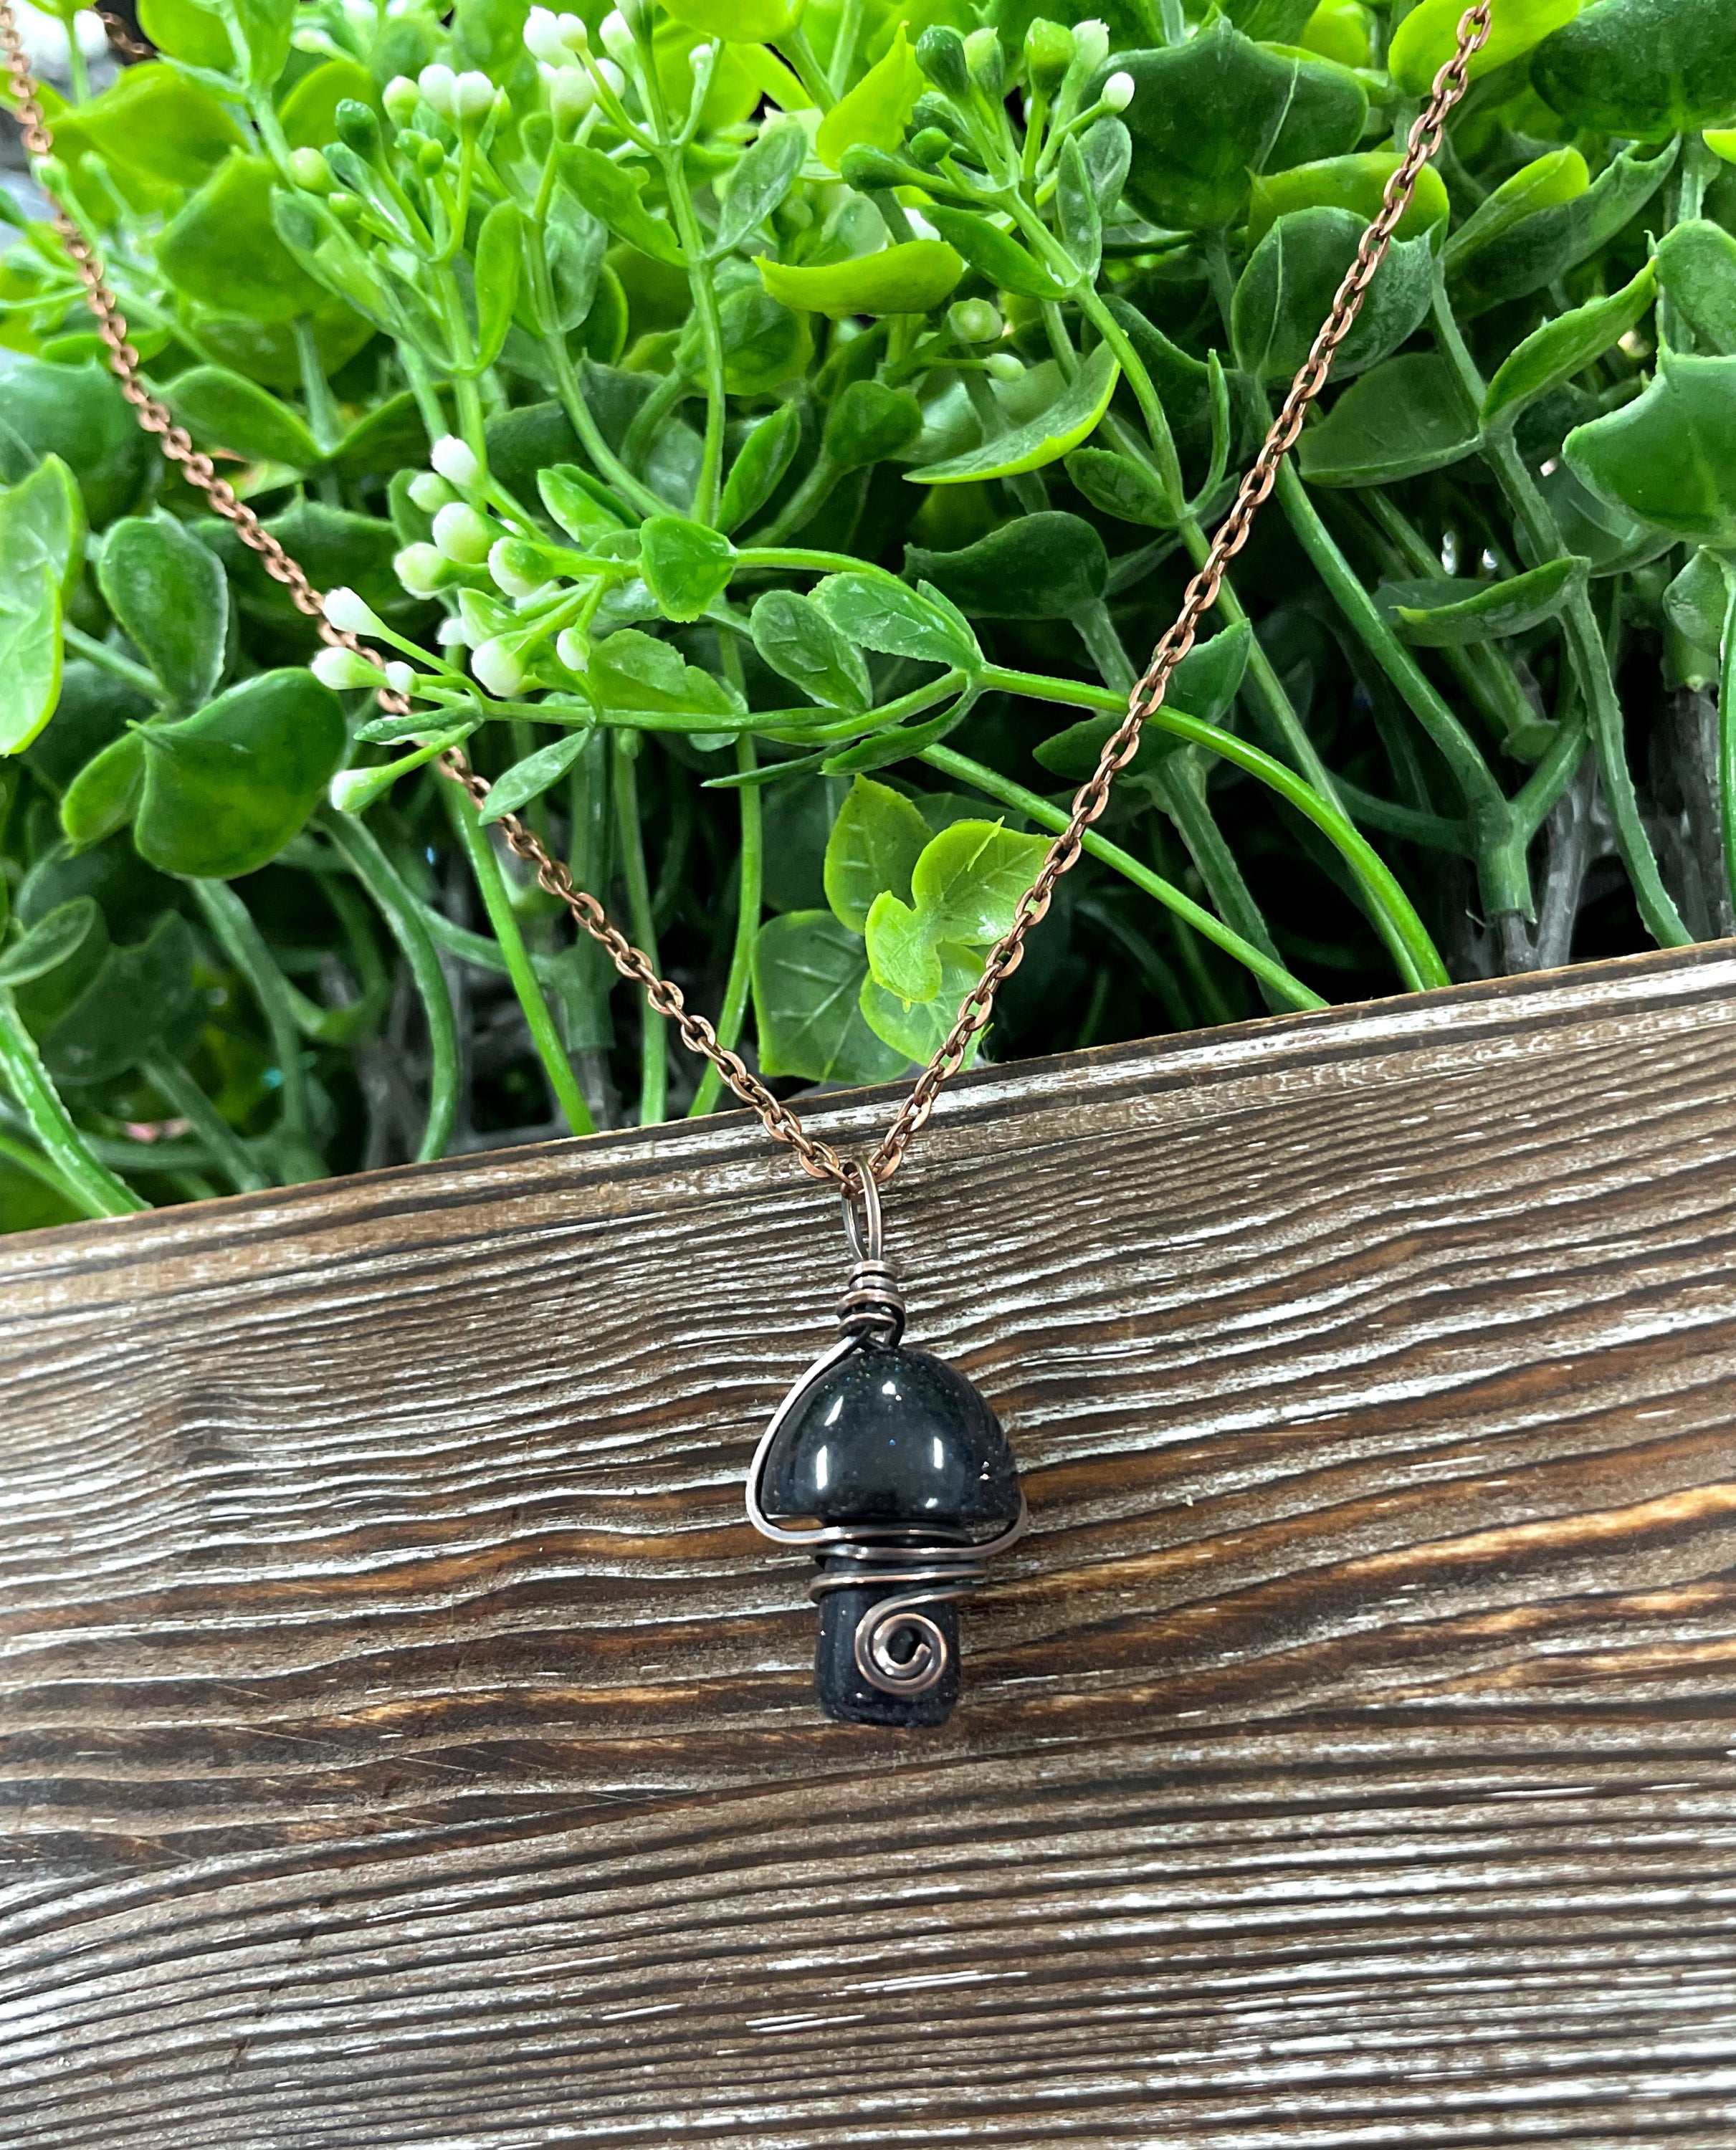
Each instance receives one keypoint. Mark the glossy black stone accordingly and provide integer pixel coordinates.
(892, 1435)
(842, 1691)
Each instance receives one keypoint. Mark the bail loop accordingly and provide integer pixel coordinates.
(872, 1307)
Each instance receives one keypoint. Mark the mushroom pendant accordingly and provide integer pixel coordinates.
(893, 1471)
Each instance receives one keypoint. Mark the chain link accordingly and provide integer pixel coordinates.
(816, 1158)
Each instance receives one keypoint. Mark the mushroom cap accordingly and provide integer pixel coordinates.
(892, 1436)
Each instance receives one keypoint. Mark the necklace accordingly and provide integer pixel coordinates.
(882, 1462)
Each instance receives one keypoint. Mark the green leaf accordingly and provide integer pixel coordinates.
(78, 413)
(1427, 39)
(154, 121)
(1120, 486)
(1077, 217)
(882, 614)
(1038, 567)
(801, 644)
(222, 409)
(915, 1029)
(1642, 67)
(1567, 345)
(1106, 151)
(1696, 263)
(873, 113)
(964, 889)
(895, 743)
(226, 789)
(140, 992)
(575, 499)
(1203, 685)
(1399, 421)
(266, 28)
(103, 795)
(747, 22)
(170, 596)
(1599, 530)
(1696, 606)
(686, 566)
(42, 527)
(29, 656)
(870, 423)
(876, 842)
(188, 31)
(1069, 421)
(1490, 610)
(611, 192)
(765, 343)
(499, 257)
(761, 181)
(760, 466)
(631, 672)
(308, 115)
(1292, 277)
(1670, 457)
(50, 942)
(1208, 114)
(1497, 257)
(809, 971)
(910, 279)
(1356, 182)
(391, 437)
(993, 253)
(529, 779)
(223, 250)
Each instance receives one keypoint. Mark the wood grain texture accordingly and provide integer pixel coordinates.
(404, 1743)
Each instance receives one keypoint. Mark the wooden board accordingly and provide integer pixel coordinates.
(406, 1743)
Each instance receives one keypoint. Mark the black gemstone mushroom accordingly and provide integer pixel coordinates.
(892, 1445)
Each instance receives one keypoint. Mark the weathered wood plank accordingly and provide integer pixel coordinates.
(403, 1739)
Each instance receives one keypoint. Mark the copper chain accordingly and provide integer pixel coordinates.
(816, 1158)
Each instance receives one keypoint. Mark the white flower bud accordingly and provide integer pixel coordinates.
(438, 85)
(1117, 92)
(343, 668)
(616, 35)
(461, 534)
(573, 34)
(351, 790)
(1003, 366)
(401, 97)
(515, 568)
(422, 570)
(574, 650)
(611, 75)
(429, 491)
(472, 94)
(542, 36)
(452, 633)
(495, 663)
(1091, 44)
(571, 92)
(348, 615)
(454, 461)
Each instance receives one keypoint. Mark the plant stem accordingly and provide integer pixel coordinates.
(653, 1044)
(175, 1085)
(41, 1169)
(112, 662)
(491, 886)
(95, 1189)
(1180, 792)
(404, 920)
(993, 785)
(323, 421)
(1585, 650)
(747, 928)
(233, 929)
(1416, 955)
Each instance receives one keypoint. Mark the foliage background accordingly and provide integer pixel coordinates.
(830, 407)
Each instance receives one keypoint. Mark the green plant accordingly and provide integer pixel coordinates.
(773, 458)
